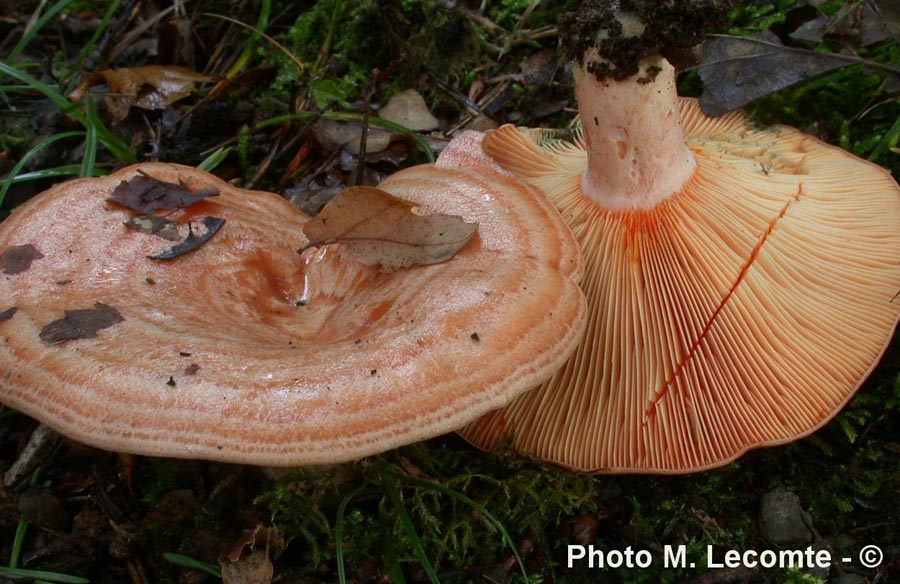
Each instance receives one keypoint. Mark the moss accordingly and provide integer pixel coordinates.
(451, 531)
(408, 37)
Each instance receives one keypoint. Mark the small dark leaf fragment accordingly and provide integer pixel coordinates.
(193, 241)
(889, 10)
(584, 527)
(856, 26)
(159, 226)
(145, 194)
(8, 313)
(80, 324)
(18, 258)
(540, 68)
(268, 538)
(40, 506)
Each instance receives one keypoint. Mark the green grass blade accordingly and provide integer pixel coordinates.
(391, 561)
(21, 529)
(390, 488)
(42, 575)
(59, 171)
(90, 141)
(385, 124)
(91, 44)
(18, 543)
(339, 534)
(213, 160)
(351, 117)
(300, 65)
(11, 178)
(325, 49)
(261, 23)
(471, 503)
(115, 145)
(183, 561)
(38, 26)
(34, 83)
(890, 139)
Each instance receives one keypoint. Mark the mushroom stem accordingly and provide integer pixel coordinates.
(637, 156)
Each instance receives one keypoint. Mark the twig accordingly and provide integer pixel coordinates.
(462, 99)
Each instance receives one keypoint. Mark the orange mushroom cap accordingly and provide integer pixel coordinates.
(741, 307)
(212, 358)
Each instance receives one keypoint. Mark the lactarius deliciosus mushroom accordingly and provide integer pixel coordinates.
(740, 281)
(210, 355)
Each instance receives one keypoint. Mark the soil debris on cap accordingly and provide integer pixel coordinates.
(18, 258)
(82, 323)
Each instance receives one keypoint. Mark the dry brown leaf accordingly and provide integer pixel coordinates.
(248, 560)
(254, 568)
(377, 228)
(540, 68)
(145, 194)
(408, 108)
(260, 536)
(737, 70)
(153, 87)
(195, 238)
(333, 135)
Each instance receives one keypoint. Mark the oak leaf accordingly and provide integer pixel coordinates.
(153, 87)
(377, 228)
(145, 194)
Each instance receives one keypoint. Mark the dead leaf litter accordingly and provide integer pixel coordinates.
(377, 228)
(145, 194)
(195, 239)
(18, 258)
(82, 323)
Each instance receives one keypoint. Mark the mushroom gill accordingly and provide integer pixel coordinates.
(739, 304)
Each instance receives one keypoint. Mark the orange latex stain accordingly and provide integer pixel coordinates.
(272, 297)
(751, 259)
(377, 313)
(641, 226)
(194, 212)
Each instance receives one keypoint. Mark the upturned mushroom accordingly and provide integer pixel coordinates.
(210, 355)
(740, 281)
